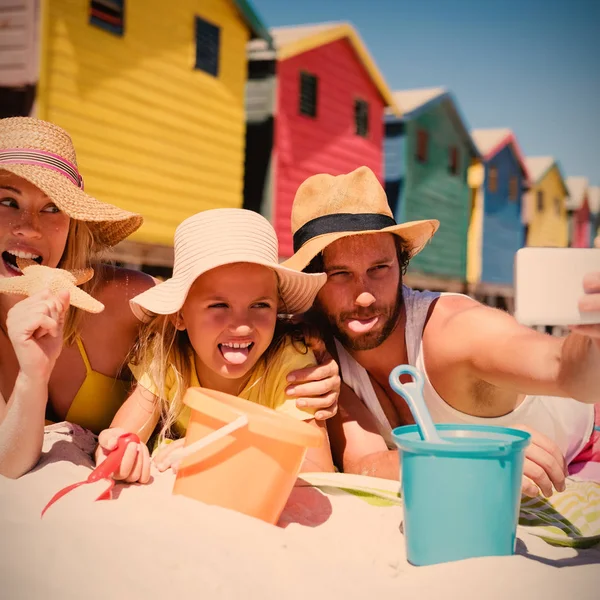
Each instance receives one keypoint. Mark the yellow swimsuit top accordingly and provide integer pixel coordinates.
(98, 399)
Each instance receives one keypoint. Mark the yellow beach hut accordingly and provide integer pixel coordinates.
(153, 95)
(544, 204)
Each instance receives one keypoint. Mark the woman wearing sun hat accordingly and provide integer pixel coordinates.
(47, 217)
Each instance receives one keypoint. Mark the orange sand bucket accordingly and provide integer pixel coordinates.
(251, 458)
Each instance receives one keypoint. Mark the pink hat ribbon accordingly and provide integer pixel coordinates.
(40, 158)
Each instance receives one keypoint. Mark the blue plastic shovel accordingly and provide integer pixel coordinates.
(413, 395)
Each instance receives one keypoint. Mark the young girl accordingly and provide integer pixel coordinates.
(215, 325)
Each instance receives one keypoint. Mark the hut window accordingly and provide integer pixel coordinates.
(513, 188)
(308, 94)
(361, 118)
(422, 143)
(207, 47)
(540, 201)
(557, 206)
(493, 179)
(108, 15)
(453, 165)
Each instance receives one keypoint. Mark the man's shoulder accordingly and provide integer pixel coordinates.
(451, 321)
(450, 305)
(458, 302)
(458, 322)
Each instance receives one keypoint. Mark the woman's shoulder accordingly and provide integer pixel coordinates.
(116, 286)
(117, 277)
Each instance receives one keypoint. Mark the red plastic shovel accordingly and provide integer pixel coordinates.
(103, 471)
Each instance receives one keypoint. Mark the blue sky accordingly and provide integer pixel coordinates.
(531, 65)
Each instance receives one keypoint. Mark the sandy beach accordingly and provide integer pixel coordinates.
(147, 543)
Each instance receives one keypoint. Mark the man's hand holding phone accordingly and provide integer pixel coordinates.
(590, 301)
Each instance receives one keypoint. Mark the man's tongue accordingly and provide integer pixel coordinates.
(362, 325)
(235, 356)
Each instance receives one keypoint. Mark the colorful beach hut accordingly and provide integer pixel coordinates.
(18, 57)
(544, 204)
(594, 201)
(428, 151)
(496, 228)
(578, 209)
(314, 104)
(153, 95)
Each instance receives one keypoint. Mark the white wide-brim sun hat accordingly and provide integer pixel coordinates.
(223, 236)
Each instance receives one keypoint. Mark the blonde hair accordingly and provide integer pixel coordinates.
(78, 254)
(163, 351)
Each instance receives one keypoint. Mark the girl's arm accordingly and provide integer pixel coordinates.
(35, 329)
(139, 414)
(318, 459)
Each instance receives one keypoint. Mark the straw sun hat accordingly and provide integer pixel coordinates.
(327, 208)
(43, 154)
(223, 236)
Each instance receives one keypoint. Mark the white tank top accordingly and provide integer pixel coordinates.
(566, 421)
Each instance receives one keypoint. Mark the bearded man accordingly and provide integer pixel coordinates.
(480, 366)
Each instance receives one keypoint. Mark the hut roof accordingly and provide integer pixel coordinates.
(577, 187)
(297, 39)
(539, 166)
(253, 20)
(491, 141)
(594, 199)
(412, 103)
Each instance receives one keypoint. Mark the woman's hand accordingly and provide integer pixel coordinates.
(135, 466)
(35, 328)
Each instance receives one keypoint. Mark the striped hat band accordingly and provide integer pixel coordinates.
(40, 158)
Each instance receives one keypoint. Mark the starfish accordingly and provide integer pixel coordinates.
(37, 278)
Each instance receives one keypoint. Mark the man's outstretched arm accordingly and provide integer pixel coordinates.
(485, 344)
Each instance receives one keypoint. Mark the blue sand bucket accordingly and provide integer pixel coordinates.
(461, 497)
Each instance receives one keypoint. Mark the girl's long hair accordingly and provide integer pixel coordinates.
(163, 351)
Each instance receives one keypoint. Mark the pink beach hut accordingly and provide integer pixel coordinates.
(578, 209)
(594, 202)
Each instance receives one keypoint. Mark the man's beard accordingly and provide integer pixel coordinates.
(371, 339)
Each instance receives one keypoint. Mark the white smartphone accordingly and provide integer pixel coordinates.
(549, 285)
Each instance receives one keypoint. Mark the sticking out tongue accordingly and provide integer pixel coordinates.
(235, 356)
(362, 325)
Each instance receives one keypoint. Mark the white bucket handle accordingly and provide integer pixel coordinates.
(207, 440)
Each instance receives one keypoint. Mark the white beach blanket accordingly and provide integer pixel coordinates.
(149, 544)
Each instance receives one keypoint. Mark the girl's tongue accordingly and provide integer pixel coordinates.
(235, 356)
